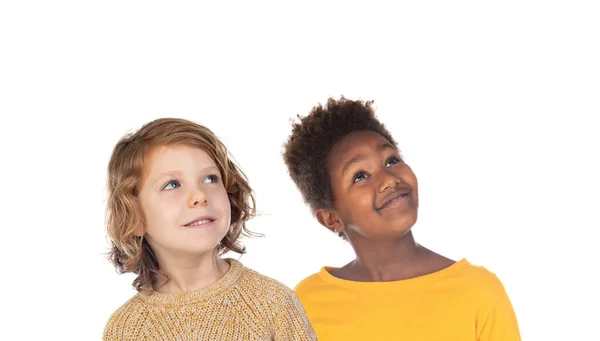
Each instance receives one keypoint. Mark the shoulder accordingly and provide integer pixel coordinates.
(482, 278)
(278, 305)
(495, 314)
(268, 294)
(264, 286)
(483, 285)
(121, 318)
(308, 284)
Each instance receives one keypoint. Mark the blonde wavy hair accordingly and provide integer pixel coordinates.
(131, 253)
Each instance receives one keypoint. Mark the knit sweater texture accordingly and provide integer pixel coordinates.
(242, 305)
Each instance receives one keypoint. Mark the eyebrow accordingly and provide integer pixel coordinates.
(161, 177)
(173, 174)
(360, 157)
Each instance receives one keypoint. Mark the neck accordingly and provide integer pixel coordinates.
(386, 260)
(187, 272)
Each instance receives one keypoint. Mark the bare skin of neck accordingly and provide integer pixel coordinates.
(384, 261)
(188, 273)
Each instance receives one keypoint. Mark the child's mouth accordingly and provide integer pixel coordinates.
(394, 199)
(201, 222)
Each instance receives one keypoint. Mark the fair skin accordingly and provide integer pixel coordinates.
(186, 214)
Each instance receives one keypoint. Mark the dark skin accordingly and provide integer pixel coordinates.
(375, 206)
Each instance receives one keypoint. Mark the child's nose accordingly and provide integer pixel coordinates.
(388, 180)
(198, 198)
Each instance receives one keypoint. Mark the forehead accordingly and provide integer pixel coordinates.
(354, 144)
(167, 158)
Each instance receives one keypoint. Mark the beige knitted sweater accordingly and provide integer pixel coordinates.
(243, 305)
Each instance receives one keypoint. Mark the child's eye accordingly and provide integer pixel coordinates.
(211, 179)
(172, 185)
(359, 177)
(392, 161)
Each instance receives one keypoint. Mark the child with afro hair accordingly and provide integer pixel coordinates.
(349, 171)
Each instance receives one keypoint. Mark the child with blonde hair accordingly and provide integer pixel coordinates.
(177, 203)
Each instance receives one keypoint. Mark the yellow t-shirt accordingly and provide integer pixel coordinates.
(462, 302)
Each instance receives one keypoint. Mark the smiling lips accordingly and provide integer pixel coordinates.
(200, 222)
(395, 198)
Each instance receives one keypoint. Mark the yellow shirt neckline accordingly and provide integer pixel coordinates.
(325, 275)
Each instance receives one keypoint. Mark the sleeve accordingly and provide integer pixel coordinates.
(290, 321)
(501, 322)
(118, 325)
(111, 332)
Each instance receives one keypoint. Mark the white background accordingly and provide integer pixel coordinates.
(494, 105)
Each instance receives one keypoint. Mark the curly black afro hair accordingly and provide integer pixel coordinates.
(306, 150)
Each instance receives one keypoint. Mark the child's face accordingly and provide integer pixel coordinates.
(375, 192)
(185, 204)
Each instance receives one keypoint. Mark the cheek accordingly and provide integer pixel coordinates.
(226, 204)
(221, 200)
(414, 184)
(411, 179)
(364, 200)
(162, 209)
(360, 202)
(408, 176)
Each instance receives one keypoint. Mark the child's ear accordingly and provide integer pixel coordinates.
(330, 220)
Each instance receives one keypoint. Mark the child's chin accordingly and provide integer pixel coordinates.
(403, 222)
(200, 248)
